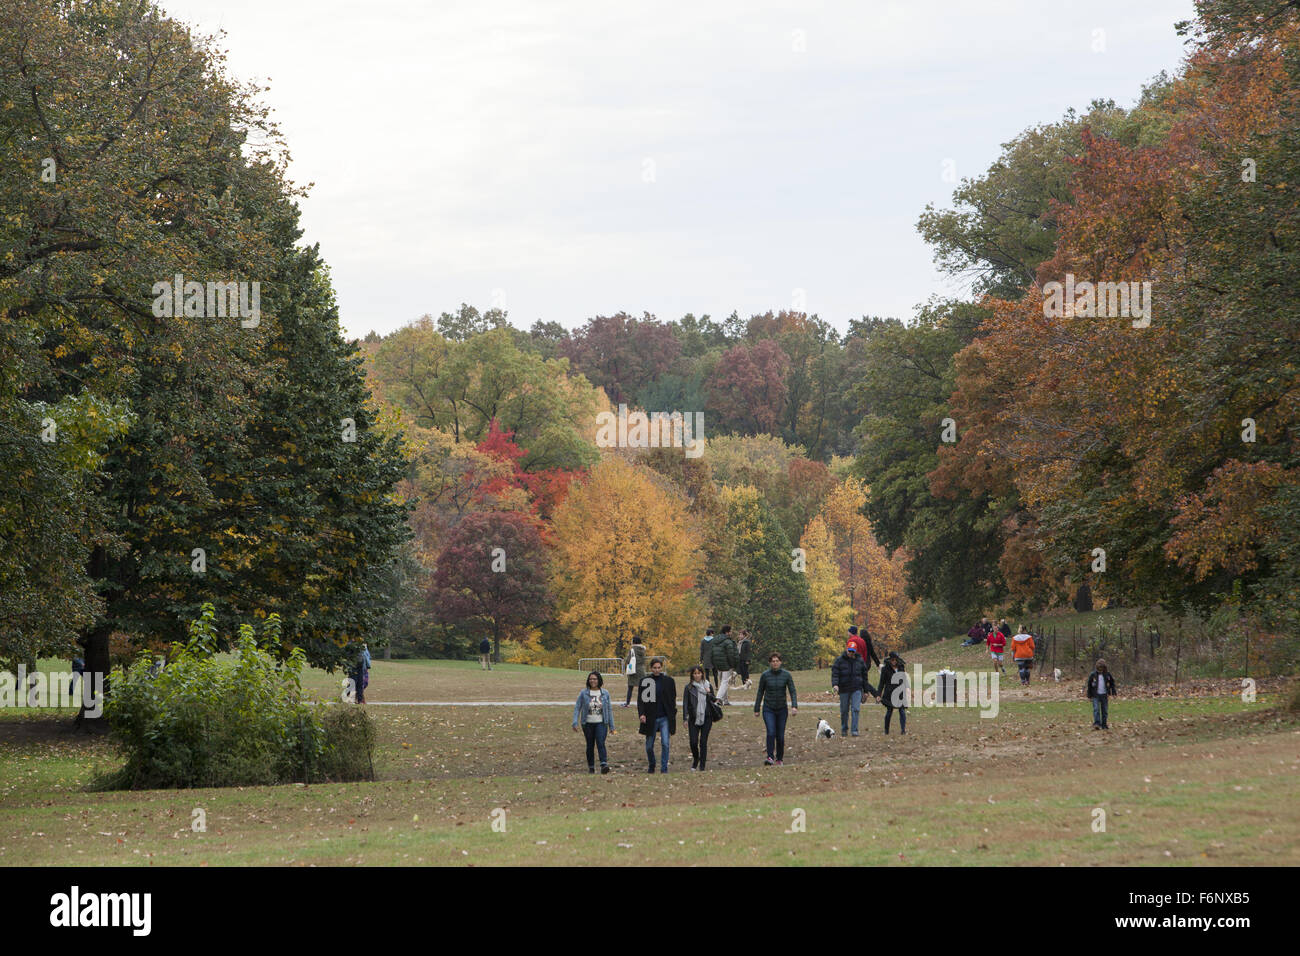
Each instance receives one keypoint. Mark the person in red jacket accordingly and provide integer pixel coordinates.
(997, 642)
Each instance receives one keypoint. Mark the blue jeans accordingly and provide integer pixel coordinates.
(661, 728)
(850, 703)
(1100, 704)
(775, 721)
(595, 734)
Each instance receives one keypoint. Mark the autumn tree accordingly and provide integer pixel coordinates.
(830, 603)
(627, 559)
(491, 575)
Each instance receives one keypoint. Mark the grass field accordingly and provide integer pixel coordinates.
(1185, 777)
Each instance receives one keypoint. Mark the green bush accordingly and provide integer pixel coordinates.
(205, 722)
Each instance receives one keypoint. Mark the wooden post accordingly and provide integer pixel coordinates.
(1135, 640)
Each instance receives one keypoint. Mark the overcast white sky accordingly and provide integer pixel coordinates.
(571, 158)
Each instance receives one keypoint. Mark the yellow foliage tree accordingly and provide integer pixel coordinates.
(874, 583)
(831, 607)
(626, 564)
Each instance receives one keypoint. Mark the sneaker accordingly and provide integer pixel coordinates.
(591, 770)
(1096, 726)
(780, 764)
(854, 735)
(768, 762)
(650, 770)
(845, 730)
(604, 768)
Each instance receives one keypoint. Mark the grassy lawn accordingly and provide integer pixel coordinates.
(1195, 778)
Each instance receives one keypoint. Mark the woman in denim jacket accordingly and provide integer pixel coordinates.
(595, 715)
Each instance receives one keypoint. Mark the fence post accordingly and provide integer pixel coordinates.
(1178, 651)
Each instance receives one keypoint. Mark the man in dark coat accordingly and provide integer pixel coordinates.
(849, 680)
(656, 705)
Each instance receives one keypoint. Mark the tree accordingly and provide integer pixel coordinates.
(747, 391)
(779, 614)
(462, 387)
(622, 354)
(224, 464)
(626, 564)
(830, 604)
(492, 575)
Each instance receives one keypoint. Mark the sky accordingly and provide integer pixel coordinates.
(563, 159)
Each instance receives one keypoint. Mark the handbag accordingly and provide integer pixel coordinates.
(715, 708)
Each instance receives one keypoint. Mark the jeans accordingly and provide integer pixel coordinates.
(699, 742)
(850, 703)
(902, 718)
(595, 734)
(1100, 705)
(1023, 664)
(661, 728)
(775, 721)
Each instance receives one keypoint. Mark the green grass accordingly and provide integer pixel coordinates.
(1184, 780)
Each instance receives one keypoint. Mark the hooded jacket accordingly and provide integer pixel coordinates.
(1022, 646)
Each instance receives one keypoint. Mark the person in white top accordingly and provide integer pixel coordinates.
(593, 713)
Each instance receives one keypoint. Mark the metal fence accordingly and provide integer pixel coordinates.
(602, 665)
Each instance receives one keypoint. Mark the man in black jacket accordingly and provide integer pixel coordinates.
(656, 705)
(485, 654)
(849, 680)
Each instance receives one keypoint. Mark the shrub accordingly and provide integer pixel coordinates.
(205, 722)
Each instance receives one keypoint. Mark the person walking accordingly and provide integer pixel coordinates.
(997, 646)
(485, 654)
(866, 649)
(706, 655)
(1022, 650)
(895, 690)
(849, 680)
(743, 648)
(656, 706)
(635, 668)
(772, 687)
(1100, 689)
(697, 711)
(725, 658)
(594, 714)
(360, 674)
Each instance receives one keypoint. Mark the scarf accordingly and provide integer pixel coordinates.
(701, 700)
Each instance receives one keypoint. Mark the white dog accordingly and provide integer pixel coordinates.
(824, 731)
(1056, 674)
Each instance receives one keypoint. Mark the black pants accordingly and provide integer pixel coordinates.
(743, 670)
(631, 689)
(902, 718)
(699, 742)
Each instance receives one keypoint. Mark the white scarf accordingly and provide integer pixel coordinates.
(702, 689)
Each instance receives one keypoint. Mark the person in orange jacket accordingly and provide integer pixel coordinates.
(1022, 649)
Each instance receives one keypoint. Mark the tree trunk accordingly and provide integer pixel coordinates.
(95, 644)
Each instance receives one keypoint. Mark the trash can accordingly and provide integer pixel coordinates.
(947, 688)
